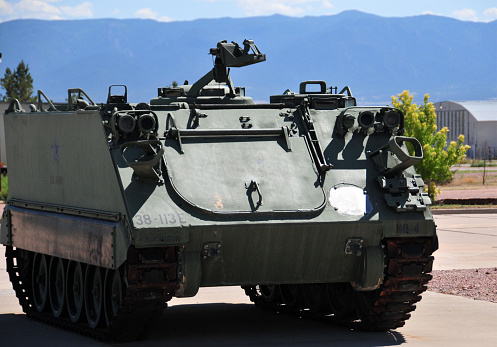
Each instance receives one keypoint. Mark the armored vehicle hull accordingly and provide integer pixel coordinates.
(310, 203)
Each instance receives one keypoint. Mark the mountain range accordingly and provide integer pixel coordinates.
(376, 56)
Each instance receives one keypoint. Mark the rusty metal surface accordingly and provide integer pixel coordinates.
(408, 266)
(69, 237)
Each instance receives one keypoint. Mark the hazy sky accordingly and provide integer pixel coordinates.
(174, 10)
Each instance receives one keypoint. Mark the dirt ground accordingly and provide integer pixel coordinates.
(477, 284)
(466, 177)
(467, 183)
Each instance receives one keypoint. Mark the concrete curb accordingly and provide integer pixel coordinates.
(464, 210)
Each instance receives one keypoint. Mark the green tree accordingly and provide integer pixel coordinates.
(421, 122)
(18, 84)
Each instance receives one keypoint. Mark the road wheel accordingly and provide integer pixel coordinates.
(93, 295)
(270, 293)
(40, 282)
(74, 291)
(315, 297)
(341, 298)
(57, 286)
(113, 294)
(291, 295)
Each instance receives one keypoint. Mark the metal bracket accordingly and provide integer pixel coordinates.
(6, 228)
(172, 131)
(196, 115)
(254, 185)
(405, 193)
(311, 137)
(354, 246)
(213, 251)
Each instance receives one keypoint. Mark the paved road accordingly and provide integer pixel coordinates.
(466, 241)
(224, 316)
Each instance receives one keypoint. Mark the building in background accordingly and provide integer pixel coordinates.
(476, 120)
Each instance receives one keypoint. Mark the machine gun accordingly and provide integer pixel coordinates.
(228, 55)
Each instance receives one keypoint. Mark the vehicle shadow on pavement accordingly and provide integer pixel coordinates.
(244, 324)
(217, 324)
(19, 330)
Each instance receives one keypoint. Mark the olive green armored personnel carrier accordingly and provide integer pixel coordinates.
(310, 203)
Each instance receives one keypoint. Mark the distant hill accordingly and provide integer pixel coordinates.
(376, 56)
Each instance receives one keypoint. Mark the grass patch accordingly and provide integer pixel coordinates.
(471, 179)
(480, 163)
(462, 172)
(459, 206)
(5, 188)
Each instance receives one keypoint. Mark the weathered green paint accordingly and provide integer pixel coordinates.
(61, 158)
(238, 187)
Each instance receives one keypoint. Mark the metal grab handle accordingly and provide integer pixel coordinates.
(406, 159)
(40, 103)
(144, 167)
(254, 185)
(175, 133)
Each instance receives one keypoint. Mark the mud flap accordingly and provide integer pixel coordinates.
(189, 274)
(371, 272)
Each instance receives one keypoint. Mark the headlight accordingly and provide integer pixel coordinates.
(126, 123)
(391, 119)
(146, 123)
(348, 121)
(366, 119)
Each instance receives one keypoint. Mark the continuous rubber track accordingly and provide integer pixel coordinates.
(130, 323)
(408, 262)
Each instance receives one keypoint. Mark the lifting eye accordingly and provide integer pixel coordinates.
(146, 123)
(391, 119)
(366, 119)
(126, 123)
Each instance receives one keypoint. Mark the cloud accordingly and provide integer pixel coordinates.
(84, 9)
(165, 19)
(490, 14)
(36, 9)
(148, 13)
(43, 9)
(327, 4)
(5, 7)
(466, 14)
(284, 7)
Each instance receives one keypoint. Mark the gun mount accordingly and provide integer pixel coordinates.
(228, 55)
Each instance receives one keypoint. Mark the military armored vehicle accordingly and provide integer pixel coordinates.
(310, 203)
